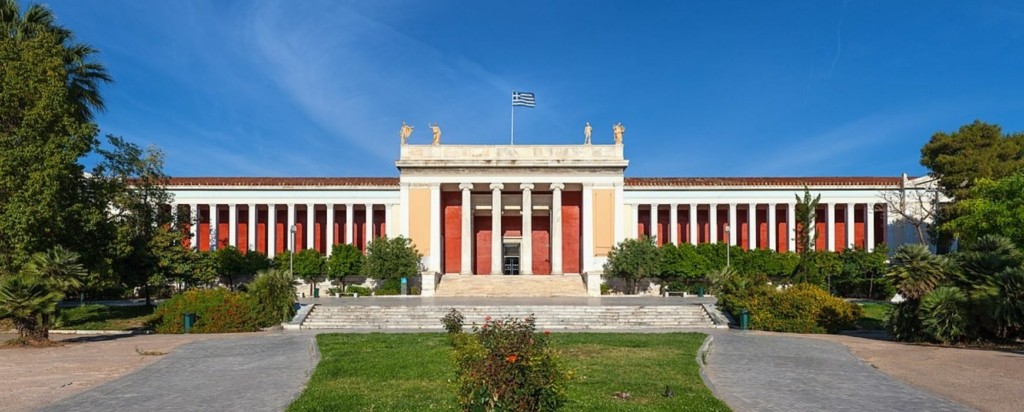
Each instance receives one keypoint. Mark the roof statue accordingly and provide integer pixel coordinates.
(618, 129)
(405, 133)
(586, 133)
(437, 133)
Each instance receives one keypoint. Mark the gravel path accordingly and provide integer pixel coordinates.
(772, 372)
(246, 373)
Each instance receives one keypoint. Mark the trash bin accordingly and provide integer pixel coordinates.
(316, 292)
(405, 286)
(700, 291)
(189, 320)
(744, 319)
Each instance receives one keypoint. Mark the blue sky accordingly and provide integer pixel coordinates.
(721, 88)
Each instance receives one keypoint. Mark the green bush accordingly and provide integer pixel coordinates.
(272, 297)
(944, 314)
(389, 287)
(903, 323)
(217, 311)
(507, 366)
(802, 308)
(453, 321)
(362, 291)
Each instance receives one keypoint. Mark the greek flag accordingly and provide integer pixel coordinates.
(523, 99)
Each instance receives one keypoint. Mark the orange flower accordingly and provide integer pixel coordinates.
(512, 358)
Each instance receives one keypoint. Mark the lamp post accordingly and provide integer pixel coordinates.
(728, 247)
(291, 253)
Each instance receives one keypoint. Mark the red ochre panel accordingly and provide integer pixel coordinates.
(281, 240)
(242, 229)
(663, 227)
(743, 231)
(359, 230)
(643, 223)
(541, 245)
(511, 226)
(378, 224)
(762, 229)
(482, 245)
(204, 231)
(261, 231)
(782, 231)
(703, 226)
(222, 229)
(452, 231)
(840, 227)
(723, 219)
(820, 226)
(320, 227)
(880, 226)
(571, 231)
(858, 227)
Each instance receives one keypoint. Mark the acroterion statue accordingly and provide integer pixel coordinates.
(437, 133)
(618, 129)
(586, 133)
(405, 133)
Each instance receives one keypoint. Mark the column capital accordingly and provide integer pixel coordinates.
(558, 186)
(772, 205)
(526, 186)
(251, 205)
(674, 205)
(330, 206)
(465, 186)
(497, 186)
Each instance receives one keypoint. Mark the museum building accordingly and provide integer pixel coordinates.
(529, 209)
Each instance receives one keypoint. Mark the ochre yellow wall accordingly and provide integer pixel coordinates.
(604, 221)
(419, 219)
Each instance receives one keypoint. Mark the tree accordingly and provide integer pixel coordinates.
(682, 261)
(345, 260)
(30, 302)
(916, 271)
(993, 207)
(273, 296)
(632, 260)
(230, 265)
(58, 267)
(917, 207)
(806, 213)
(391, 258)
(309, 266)
(976, 151)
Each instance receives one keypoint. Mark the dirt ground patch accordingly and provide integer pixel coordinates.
(36, 377)
(987, 380)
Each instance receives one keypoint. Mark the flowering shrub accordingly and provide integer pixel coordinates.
(217, 311)
(505, 365)
(803, 308)
(453, 321)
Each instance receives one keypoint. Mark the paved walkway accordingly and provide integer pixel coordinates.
(247, 373)
(754, 371)
(509, 301)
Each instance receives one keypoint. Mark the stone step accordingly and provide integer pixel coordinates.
(511, 286)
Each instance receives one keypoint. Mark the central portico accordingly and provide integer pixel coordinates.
(503, 209)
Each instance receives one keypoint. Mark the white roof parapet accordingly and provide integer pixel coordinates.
(444, 156)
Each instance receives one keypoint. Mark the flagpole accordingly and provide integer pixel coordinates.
(513, 132)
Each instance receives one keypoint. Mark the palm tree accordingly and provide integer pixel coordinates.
(84, 75)
(58, 268)
(916, 271)
(30, 303)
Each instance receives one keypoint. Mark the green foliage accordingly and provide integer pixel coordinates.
(30, 301)
(983, 258)
(994, 207)
(682, 261)
(817, 268)
(345, 260)
(309, 266)
(915, 271)
(1008, 305)
(230, 265)
(806, 211)
(391, 258)
(903, 322)
(272, 297)
(943, 314)
(57, 267)
(802, 308)
(389, 287)
(861, 274)
(361, 290)
(764, 262)
(102, 317)
(507, 366)
(974, 152)
(453, 321)
(632, 260)
(217, 311)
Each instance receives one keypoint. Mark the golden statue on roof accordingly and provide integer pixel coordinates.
(405, 133)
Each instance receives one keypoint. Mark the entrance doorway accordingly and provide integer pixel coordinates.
(510, 258)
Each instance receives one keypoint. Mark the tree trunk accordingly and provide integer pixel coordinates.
(145, 289)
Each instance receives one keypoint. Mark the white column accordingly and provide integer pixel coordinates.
(387, 221)
(329, 243)
(813, 230)
(713, 223)
(791, 227)
(193, 227)
(752, 226)
(526, 251)
(466, 267)
(369, 222)
(634, 228)
(349, 217)
(251, 226)
(732, 224)
(653, 229)
(587, 229)
(849, 224)
(556, 227)
(869, 226)
(496, 228)
(772, 225)
(436, 242)
(310, 225)
(291, 241)
(830, 227)
(213, 227)
(693, 223)
(673, 221)
(271, 230)
(233, 225)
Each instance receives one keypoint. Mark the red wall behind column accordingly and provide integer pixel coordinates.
(571, 231)
(281, 223)
(858, 227)
(683, 225)
(261, 231)
(378, 224)
(511, 226)
(243, 229)
(451, 231)
(782, 231)
(723, 219)
(482, 244)
(204, 230)
(663, 227)
(880, 225)
(743, 234)
(703, 227)
(359, 230)
(840, 228)
(820, 226)
(222, 228)
(642, 225)
(762, 229)
(320, 234)
(541, 245)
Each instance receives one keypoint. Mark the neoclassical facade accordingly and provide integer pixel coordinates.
(528, 209)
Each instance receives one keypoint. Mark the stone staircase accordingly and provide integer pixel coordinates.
(511, 286)
(549, 317)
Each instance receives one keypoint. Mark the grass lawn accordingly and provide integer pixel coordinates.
(874, 315)
(101, 317)
(414, 372)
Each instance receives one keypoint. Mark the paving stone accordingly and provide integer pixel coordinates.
(767, 372)
(245, 373)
